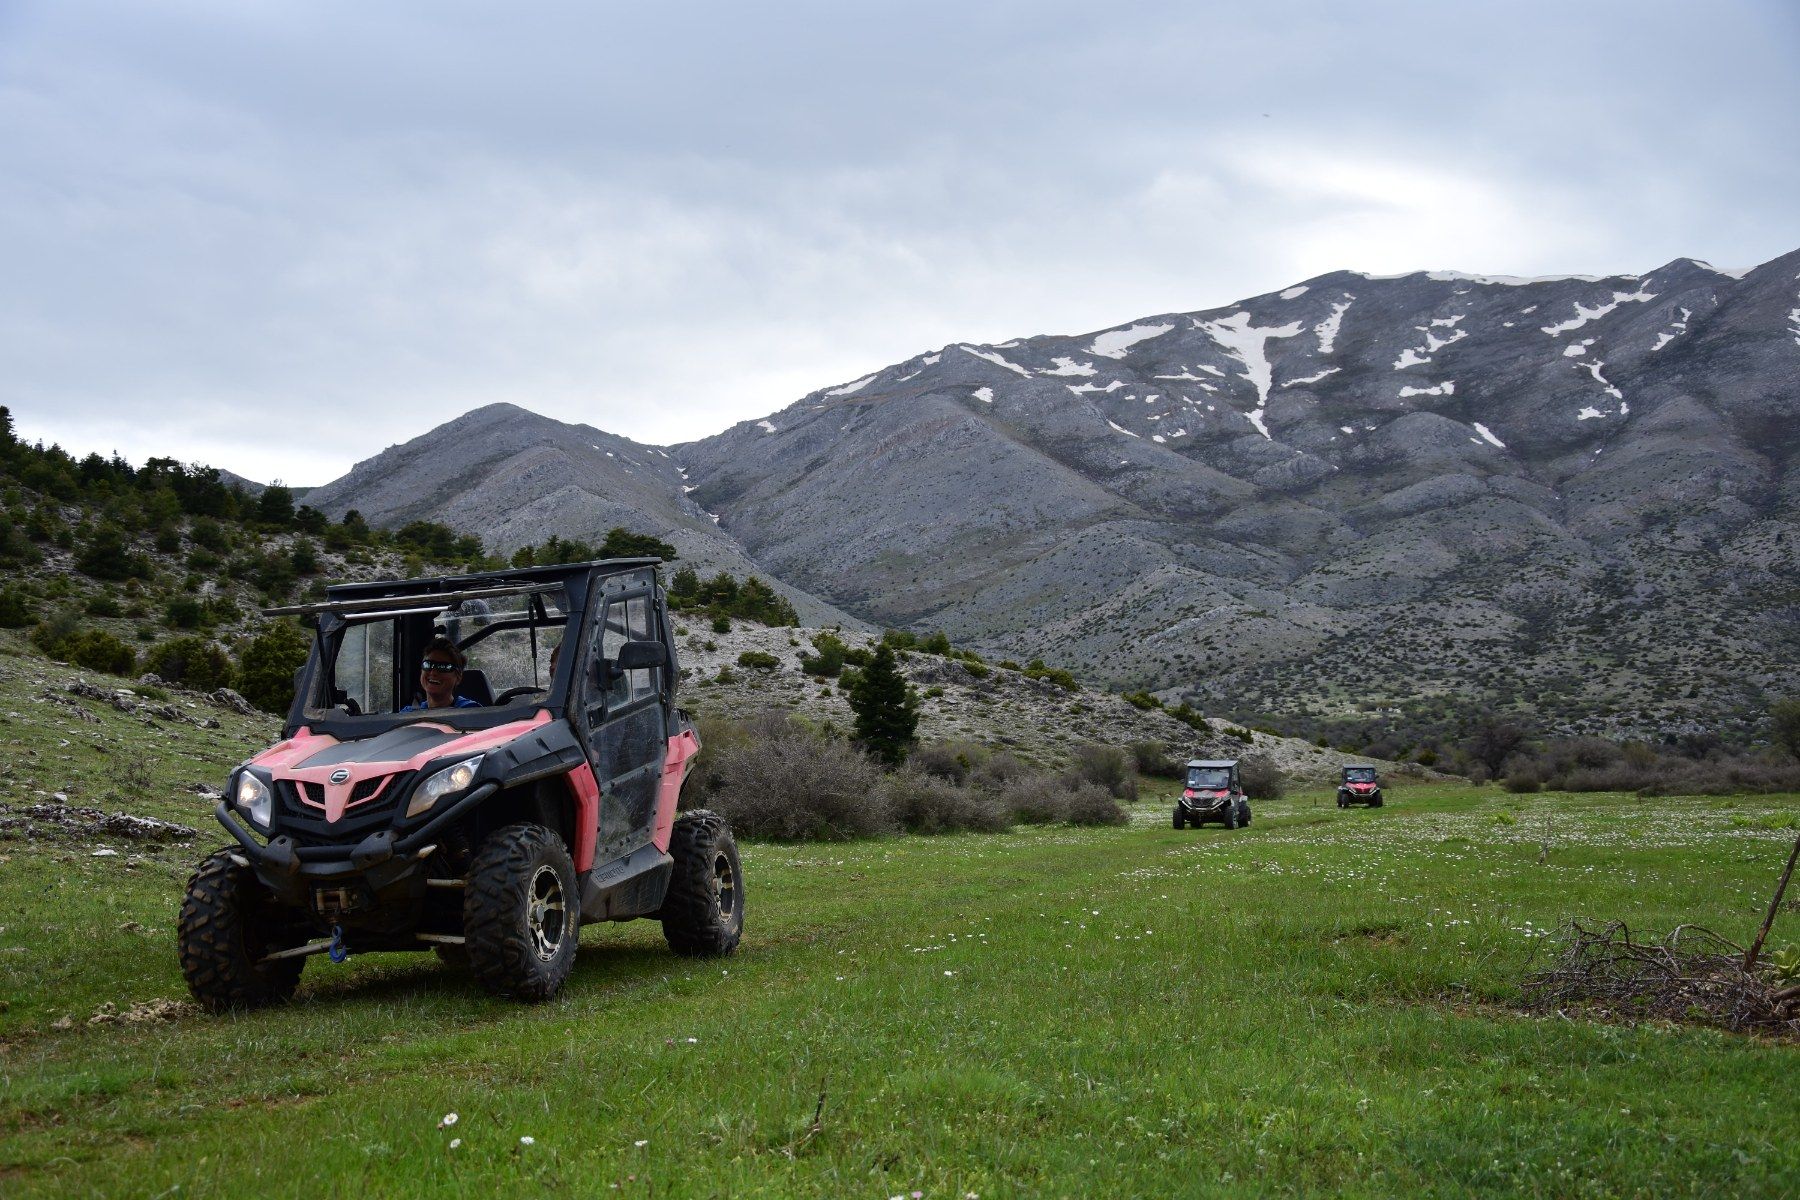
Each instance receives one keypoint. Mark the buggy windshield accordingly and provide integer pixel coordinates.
(1213, 778)
(1359, 774)
(372, 663)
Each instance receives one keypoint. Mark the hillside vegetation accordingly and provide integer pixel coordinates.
(163, 569)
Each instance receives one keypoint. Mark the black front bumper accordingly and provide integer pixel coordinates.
(380, 878)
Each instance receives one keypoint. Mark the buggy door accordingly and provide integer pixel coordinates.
(623, 722)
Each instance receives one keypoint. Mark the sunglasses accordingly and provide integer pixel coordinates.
(440, 668)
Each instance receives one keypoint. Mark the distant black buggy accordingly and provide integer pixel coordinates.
(474, 764)
(1360, 785)
(1213, 793)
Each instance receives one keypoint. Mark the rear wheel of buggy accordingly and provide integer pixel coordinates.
(227, 926)
(703, 911)
(521, 916)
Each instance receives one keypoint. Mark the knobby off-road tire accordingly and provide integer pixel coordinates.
(1230, 819)
(703, 913)
(1179, 823)
(226, 926)
(1244, 814)
(521, 913)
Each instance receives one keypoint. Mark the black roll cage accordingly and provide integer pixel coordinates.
(582, 584)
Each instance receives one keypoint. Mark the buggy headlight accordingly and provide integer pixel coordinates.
(454, 778)
(253, 799)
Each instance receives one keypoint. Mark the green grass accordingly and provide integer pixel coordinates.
(1322, 1003)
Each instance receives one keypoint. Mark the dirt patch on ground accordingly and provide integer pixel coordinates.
(1375, 935)
(144, 1012)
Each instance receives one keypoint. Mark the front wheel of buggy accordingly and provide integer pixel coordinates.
(1179, 823)
(225, 930)
(703, 912)
(521, 913)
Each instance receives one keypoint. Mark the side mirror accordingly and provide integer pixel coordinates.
(635, 656)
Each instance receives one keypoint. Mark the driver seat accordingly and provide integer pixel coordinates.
(475, 686)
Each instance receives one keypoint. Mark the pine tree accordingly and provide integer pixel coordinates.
(266, 673)
(887, 713)
(1784, 723)
(276, 506)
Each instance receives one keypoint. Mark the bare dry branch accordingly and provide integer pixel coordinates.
(1691, 975)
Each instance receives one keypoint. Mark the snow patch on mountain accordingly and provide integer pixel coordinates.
(1488, 434)
(1495, 280)
(1328, 328)
(1412, 357)
(1247, 343)
(997, 360)
(1080, 388)
(850, 388)
(1068, 366)
(985, 395)
(1594, 369)
(766, 426)
(1678, 328)
(1584, 314)
(1446, 388)
(1294, 293)
(1121, 429)
(1115, 343)
(1311, 378)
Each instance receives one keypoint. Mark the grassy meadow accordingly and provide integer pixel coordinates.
(1324, 1003)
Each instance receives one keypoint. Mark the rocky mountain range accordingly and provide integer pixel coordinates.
(1570, 494)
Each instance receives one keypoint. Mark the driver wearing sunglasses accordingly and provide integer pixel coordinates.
(439, 673)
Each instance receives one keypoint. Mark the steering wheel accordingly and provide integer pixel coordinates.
(515, 693)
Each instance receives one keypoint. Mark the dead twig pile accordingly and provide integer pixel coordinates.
(1691, 975)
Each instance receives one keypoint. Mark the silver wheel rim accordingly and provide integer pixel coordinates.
(725, 884)
(546, 912)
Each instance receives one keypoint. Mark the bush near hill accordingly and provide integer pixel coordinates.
(778, 778)
(723, 597)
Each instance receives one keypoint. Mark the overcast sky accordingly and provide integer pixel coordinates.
(279, 236)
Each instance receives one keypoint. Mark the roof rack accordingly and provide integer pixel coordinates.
(430, 600)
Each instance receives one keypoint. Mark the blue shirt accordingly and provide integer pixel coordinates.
(461, 702)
